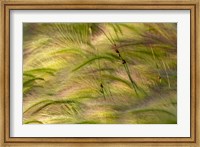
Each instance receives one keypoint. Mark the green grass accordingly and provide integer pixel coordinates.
(100, 73)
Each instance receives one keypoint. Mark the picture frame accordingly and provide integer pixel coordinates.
(8, 5)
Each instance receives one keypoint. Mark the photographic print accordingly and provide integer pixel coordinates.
(99, 73)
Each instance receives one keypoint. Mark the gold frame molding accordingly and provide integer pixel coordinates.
(7, 5)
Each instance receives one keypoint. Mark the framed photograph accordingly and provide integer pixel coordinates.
(99, 73)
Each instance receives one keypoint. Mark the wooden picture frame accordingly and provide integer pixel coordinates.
(7, 5)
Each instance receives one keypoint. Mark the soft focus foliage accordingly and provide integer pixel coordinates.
(107, 73)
